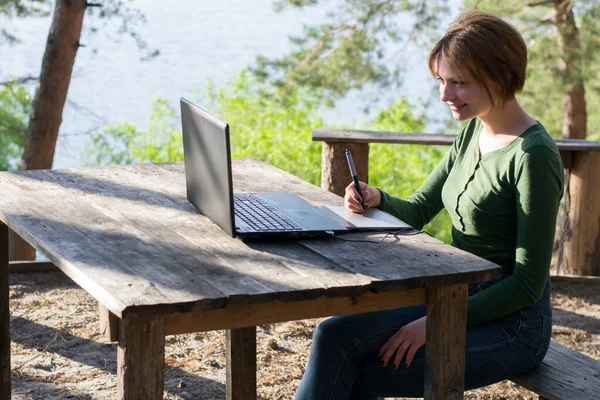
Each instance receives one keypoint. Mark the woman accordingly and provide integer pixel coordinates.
(501, 182)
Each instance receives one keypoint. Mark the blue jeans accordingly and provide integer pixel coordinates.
(344, 364)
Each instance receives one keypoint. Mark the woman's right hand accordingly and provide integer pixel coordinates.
(370, 196)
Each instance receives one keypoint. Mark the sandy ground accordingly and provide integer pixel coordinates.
(57, 352)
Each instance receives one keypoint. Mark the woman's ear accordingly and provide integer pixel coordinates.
(495, 92)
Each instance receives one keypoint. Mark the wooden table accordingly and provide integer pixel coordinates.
(128, 236)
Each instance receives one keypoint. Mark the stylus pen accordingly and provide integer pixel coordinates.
(354, 177)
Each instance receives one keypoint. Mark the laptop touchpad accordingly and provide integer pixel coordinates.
(302, 213)
(286, 200)
(313, 220)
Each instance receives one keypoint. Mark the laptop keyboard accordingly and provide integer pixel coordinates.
(261, 215)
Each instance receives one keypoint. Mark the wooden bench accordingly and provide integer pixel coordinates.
(564, 374)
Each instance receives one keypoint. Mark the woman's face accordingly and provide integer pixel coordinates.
(466, 97)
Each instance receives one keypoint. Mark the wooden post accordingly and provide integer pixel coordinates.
(141, 358)
(109, 324)
(20, 250)
(241, 363)
(446, 341)
(335, 175)
(581, 227)
(5, 385)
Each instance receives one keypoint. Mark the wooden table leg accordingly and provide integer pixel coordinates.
(109, 324)
(141, 358)
(241, 363)
(5, 385)
(446, 341)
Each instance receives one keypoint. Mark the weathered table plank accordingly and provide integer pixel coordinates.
(244, 315)
(411, 261)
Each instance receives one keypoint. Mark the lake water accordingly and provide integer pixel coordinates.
(198, 40)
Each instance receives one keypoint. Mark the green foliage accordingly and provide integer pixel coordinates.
(15, 103)
(123, 143)
(271, 126)
(261, 127)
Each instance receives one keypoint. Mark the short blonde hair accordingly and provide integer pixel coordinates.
(488, 48)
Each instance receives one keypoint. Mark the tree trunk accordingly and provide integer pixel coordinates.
(574, 111)
(49, 100)
(574, 122)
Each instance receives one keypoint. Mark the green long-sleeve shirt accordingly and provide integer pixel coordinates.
(503, 207)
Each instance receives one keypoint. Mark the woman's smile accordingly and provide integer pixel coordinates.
(455, 107)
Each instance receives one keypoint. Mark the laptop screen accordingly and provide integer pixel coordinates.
(207, 159)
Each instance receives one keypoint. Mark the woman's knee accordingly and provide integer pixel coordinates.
(330, 332)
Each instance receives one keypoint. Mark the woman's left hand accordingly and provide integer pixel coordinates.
(408, 339)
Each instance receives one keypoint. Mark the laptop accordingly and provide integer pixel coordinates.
(209, 186)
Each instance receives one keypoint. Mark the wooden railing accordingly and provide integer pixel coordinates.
(579, 252)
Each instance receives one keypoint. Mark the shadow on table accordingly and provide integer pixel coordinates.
(88, 352)
(107, 188)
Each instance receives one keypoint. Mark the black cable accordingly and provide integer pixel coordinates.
(402, 231)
